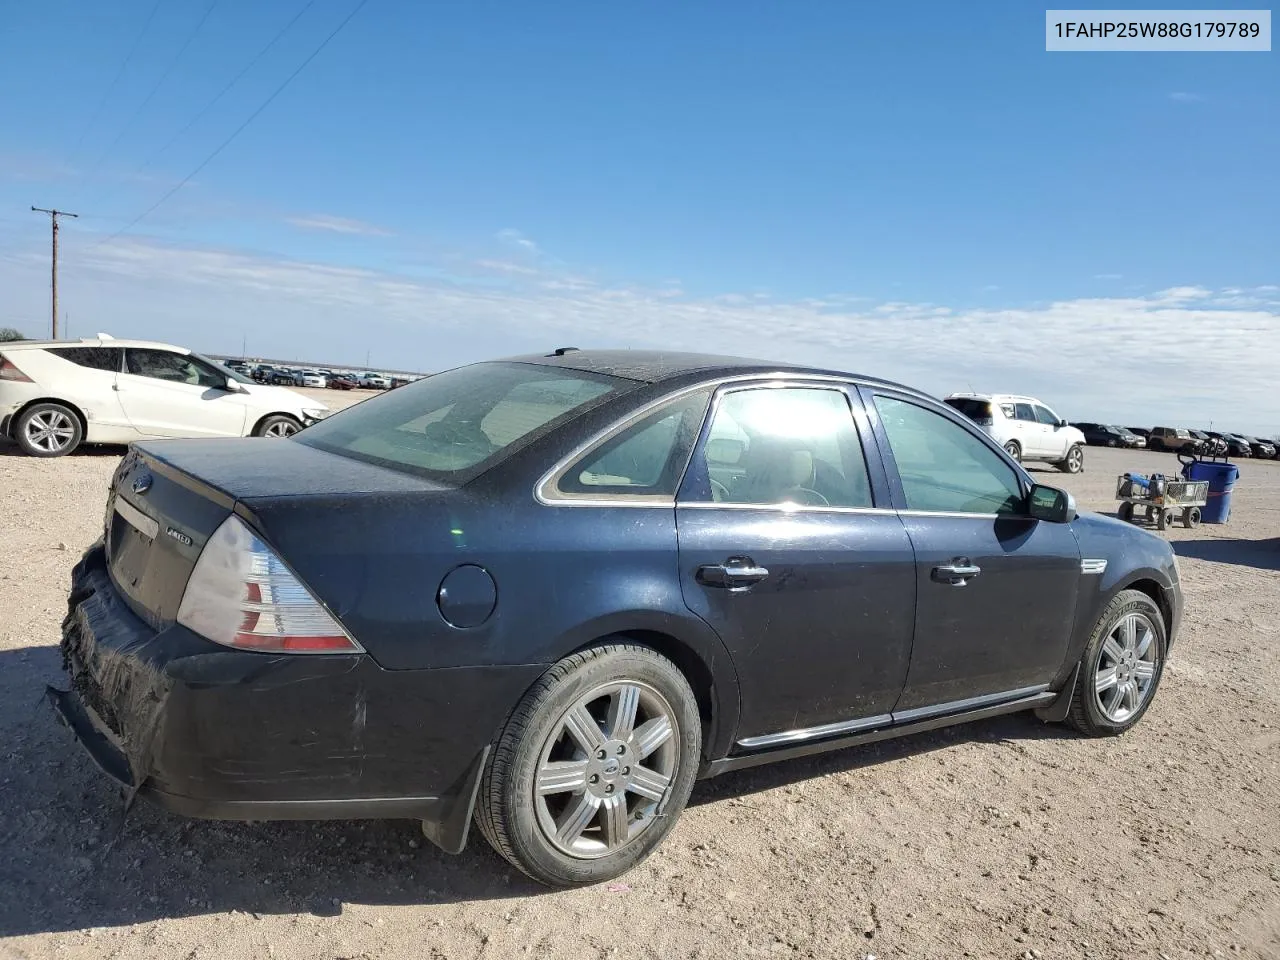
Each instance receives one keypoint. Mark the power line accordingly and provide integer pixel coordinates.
(225, 90)
(151, 94)
(137, 41)
(238, 130)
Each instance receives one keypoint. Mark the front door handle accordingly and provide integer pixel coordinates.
(734, 573)
(957, 573)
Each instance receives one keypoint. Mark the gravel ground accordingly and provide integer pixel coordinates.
(1006, 838)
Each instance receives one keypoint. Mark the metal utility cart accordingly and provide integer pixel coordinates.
(1161, 497)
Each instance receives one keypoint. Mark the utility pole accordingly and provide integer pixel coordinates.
(53, 219)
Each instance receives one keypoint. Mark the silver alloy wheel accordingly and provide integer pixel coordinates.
(606, 769)
(1075, 460)
(1126, 670)
(50, 430)
(281, 428)
(1013, 450)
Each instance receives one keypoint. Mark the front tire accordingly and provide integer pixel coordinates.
(48, 430)
(593, 767)
(277, 425)
(1074, 462)
(1121, 667)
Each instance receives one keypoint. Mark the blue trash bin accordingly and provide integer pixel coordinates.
(1222, 478)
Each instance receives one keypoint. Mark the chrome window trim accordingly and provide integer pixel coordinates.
(772, 380)
(780, 507)
(810, 733)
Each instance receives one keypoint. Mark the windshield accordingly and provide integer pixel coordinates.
(457, 424)
(231, 374)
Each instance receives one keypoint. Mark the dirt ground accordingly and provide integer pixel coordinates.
(1006, 838)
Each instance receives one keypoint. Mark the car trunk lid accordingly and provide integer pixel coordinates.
(168, 497)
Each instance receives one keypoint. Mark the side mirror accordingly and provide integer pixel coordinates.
(234, 386)
(1062, 422)
(1051, 504)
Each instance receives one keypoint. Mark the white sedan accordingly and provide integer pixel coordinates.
(310, 379)
(55, 395)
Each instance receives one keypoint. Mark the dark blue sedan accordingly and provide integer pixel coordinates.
(549, 593)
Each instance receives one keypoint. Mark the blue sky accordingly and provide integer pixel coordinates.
(913, 190)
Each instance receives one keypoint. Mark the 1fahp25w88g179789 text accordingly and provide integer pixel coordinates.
(1158, 30)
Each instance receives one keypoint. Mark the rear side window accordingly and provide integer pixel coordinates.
(978, 411)
(645, 459)
(1023, 411)
(457, 424)
(107, 359)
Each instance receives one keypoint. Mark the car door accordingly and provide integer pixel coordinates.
(92, 385)
(169, 394)
(789, 550)
(995, 589)
(1053, 437)
(1029, 431)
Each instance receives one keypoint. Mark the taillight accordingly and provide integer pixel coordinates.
(10, 372)
(242, 595)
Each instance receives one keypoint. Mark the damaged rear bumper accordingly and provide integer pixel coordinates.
(210, 732)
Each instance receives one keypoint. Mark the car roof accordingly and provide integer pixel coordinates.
(994, 397)
(659, 366)
(98, 341)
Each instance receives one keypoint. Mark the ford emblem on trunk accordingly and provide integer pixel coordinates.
(142, 484)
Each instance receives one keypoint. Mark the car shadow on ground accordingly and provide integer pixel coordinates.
(70, 861)
(9, 448)
(1262, 554)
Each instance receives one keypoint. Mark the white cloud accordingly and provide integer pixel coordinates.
(1091, 358)
(514, 237)
(1181, 97)
(323, 221)
(505, 266)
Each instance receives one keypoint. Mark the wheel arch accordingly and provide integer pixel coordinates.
(73, 407)
(705, 664)
(253, 432)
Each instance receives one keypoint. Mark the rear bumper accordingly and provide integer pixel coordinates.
(210, 732)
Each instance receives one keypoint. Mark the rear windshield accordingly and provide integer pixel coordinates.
(455, 425)
(973, 409)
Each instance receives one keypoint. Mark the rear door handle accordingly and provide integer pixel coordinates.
(734, 573)
(957, 573)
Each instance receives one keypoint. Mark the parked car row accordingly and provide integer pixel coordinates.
(1209, 442)
(319, 378)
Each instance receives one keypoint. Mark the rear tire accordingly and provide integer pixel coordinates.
(1165, 519)
(48, 430)
(1014, 449)
(277, 425)
(1191, 517)
(592, 819)
(1120, 670)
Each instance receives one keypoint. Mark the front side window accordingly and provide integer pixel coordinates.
(459, 423)
(943, 467)
(789, 445)
(106, 359)
(644, 460)
(173, 367)
(1045, 415)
